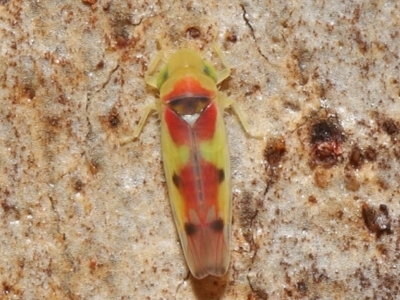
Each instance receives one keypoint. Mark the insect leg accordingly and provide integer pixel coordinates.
(149, 109)
(226, 71)
(226, 102)
(149, 77)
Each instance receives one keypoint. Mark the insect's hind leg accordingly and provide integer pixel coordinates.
(150, 109)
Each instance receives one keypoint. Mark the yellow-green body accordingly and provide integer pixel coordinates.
(196, 157)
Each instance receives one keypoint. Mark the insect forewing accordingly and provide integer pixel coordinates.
(196, 162)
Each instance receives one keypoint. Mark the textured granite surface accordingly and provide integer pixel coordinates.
(316, 203)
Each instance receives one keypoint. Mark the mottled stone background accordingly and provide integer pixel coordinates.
(316, 203)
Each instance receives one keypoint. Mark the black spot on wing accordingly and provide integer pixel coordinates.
(217, 225)
(176, 180)
(221, 175)
(190, 228)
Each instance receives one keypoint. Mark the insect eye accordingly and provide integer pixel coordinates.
(209, 71)
(162, 77)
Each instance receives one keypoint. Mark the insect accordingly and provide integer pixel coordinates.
(195, 155)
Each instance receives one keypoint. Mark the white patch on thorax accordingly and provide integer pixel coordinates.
(191, 119)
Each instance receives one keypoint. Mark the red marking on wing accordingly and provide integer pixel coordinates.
(186, 86)
(205, 124)
(181, 132)
(177, 127)
(200, 190)
(207, 248)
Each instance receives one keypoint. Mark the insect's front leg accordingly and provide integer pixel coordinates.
(226, 71)
(149, 77)
(151, 80)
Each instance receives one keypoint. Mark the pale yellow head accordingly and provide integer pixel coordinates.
(185, 59)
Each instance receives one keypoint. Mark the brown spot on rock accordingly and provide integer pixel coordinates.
(273, 155)
(390, 127)
(326, 137)
(370, 154)
(351, 182)
(322, 178)
(231, 37)
(312, 199)
(193, 32)
(376, 220)
(78, 186)
(356, 157)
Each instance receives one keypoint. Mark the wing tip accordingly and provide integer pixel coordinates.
(216, 271)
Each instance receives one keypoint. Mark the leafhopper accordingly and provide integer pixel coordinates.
(195, 155)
